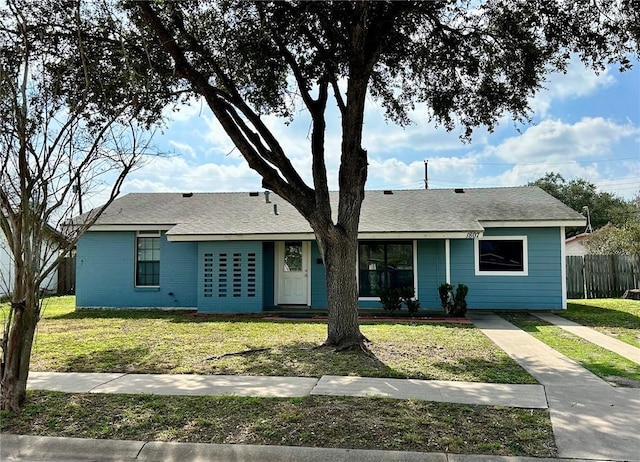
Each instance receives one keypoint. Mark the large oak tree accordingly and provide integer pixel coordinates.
(469, 62)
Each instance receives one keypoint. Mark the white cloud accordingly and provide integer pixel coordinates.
(579, 81)
(522, 174)
(177, 174)
(183, 147)
(443, 172)
(554, 140)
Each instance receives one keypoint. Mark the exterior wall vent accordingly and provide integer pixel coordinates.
(187, 194)
(458, 190)
(387, 192)
(254, 194)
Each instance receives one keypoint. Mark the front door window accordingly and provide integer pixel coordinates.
(292, 256)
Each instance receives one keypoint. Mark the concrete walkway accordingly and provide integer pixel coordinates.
(496, 394)
(590, 418)
(623, 349)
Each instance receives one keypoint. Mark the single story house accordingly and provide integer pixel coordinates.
(576, 245)
(49, 253)
(249, 251)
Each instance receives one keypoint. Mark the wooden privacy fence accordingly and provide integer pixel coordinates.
(602, 276)
(67, 276)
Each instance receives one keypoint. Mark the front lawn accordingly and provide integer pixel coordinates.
(160, 342)
(329, 422)
(616, 317)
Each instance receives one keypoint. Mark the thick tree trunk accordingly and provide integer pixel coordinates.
(16, 354)
(339, 252)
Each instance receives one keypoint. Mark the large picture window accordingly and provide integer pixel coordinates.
(384, 264)
(501, 256)
(148, 258)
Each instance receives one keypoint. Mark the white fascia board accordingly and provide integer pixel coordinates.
(164, 227)
(240, 237)
(533, 223)
(421, 235)
(311, 236)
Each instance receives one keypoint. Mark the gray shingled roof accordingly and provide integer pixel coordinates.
(434, 210)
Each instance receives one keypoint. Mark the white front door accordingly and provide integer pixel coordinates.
(292, 263)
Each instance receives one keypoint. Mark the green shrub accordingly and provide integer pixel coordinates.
(390, 299)
(407, 294)
(445, 291)
(459, 301)
(454, 305)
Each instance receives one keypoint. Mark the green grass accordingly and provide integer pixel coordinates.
(602, 362)
(161, 342)
(334, 422)
(617, 318)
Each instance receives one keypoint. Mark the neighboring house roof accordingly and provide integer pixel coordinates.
(575, 245)
(406, 213)
(577, 238)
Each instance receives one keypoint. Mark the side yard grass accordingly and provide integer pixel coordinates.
(160, 342)
(332, 422)
(617, 318)
(602, 362)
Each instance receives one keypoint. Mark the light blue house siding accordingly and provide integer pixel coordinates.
(105, 273)
(318, 279)
(268, 274)
(541, 289)
(432, 272)
(238, 276)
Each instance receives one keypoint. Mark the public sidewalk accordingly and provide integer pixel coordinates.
(590, 418)
(493, 394)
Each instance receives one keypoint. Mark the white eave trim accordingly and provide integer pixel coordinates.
(532, 223)
(311, 236)
(164, 227)
(240, 237)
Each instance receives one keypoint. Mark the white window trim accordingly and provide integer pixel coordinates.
(414, 244)
(525, 256)
(142, 233)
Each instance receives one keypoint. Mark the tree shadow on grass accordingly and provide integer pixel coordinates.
(120, 314)
(601, 317)
(301, 359)
(111, 360)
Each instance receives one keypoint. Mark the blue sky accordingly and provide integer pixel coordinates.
(584, 125)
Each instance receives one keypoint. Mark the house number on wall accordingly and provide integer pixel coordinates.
(473, 234)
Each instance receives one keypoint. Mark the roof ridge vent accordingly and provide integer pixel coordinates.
(254, 194)
(387, 192)
(189, 194)
(459, 190)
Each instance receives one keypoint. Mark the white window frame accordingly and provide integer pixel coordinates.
(525, 256)
(414, 244)
(143, 233)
